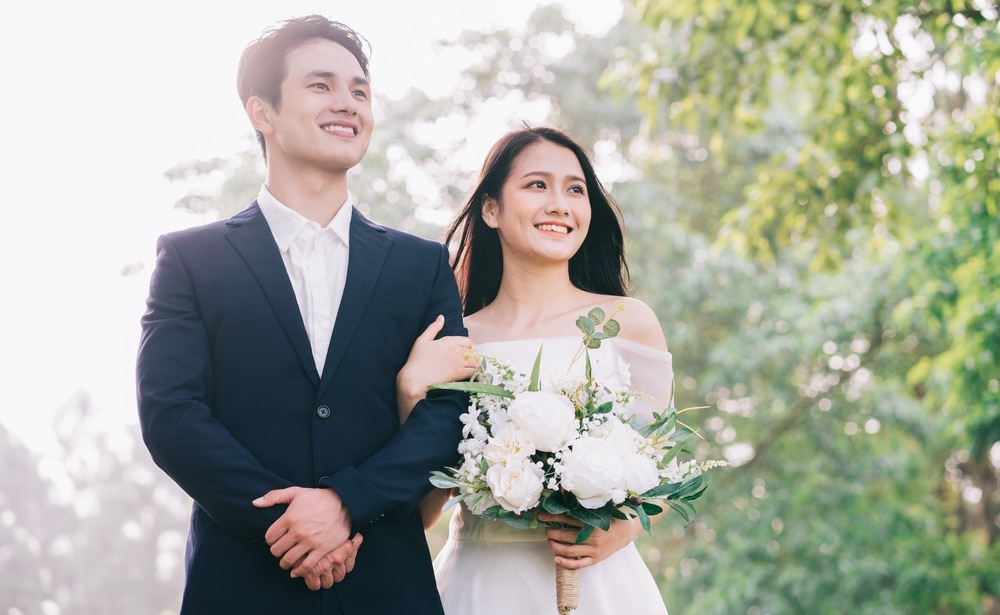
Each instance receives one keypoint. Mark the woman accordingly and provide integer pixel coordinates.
(539, 243)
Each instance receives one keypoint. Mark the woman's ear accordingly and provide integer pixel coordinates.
(491, 212)
(259, 113)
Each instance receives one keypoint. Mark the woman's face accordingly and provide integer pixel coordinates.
(543, 213)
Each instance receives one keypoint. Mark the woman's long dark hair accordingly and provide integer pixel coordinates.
(598, 266)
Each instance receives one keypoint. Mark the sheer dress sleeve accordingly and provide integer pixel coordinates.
(651, 373)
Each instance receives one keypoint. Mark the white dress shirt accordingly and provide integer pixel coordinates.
(316, 261)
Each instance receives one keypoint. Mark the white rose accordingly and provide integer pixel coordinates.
(594, 472)
(548, 418)
(509, 445)
(516, 487)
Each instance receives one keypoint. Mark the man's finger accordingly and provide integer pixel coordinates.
(276, 496)
(292, 560)
(273, 536)
(314, 581)
(326, 579)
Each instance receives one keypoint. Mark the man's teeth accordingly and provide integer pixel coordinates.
(347, 130)
(552, 227)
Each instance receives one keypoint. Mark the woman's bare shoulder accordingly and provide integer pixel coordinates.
(479, 327)
(639, 323)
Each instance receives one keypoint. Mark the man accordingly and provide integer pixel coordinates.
(268, 358)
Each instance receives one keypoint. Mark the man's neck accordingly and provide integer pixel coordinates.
(317, 196)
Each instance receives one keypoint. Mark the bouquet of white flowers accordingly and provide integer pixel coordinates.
(571, 449)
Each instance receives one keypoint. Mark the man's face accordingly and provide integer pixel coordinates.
(325, 116)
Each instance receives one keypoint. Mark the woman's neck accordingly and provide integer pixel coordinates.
(534, 302)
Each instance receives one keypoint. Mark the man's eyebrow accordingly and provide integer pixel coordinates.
(326, 74)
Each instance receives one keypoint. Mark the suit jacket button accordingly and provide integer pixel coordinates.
(323, 412)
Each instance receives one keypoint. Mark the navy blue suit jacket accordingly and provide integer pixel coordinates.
(231, 406)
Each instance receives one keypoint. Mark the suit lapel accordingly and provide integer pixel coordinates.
(252, 238)
(369, 248)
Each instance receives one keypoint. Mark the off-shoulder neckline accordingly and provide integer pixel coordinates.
(633, 346)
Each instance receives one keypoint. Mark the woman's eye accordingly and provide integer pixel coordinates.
(537, 184)
(578, 189)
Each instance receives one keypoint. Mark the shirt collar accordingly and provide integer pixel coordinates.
(286, 223)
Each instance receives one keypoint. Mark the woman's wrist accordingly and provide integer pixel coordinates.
(408, 390)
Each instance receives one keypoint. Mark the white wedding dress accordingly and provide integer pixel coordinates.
(490, 568)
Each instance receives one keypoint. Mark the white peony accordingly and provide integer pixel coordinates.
(622, 435)
(509, 445)
(640, 470)
(516, 487)
(548, 418)
(594, 472)
(641, 473)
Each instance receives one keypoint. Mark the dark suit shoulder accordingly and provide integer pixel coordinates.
(405, 238)
(399, 237)
(216, 228)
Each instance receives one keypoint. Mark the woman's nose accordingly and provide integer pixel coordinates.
(557, 205)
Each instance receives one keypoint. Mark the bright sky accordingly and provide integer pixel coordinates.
(100, 98)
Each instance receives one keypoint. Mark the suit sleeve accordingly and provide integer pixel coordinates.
(173, 380)
(396, 478)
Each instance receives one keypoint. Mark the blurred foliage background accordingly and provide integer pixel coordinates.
(811, 194)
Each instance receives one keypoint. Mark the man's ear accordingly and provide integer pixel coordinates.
(491, 212)
(259, 113)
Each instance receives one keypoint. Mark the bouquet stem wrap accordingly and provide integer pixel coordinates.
(567, 589)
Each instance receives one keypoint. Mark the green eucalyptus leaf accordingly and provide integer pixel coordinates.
(443, 481)
(452, 501)
(612, 328)
(493, 512)
(520, 522)
(554, 506)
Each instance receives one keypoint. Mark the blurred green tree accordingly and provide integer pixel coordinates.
(891, 169)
